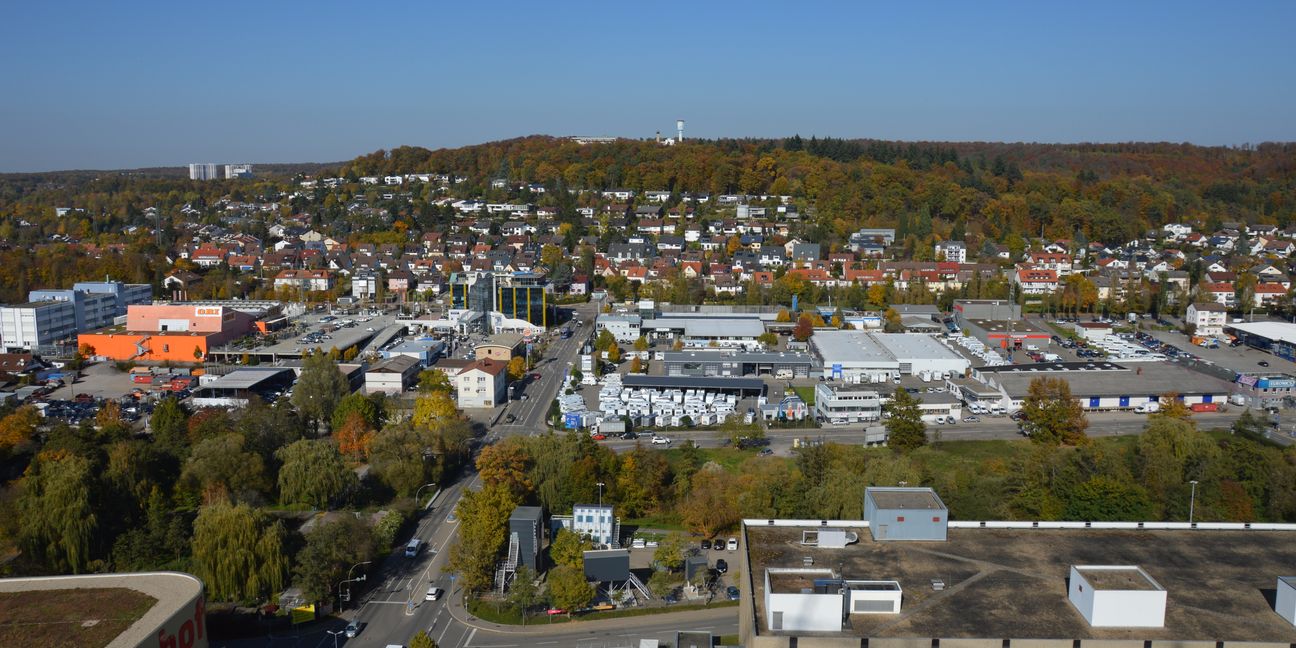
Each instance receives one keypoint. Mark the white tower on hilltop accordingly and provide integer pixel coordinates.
(679, 126)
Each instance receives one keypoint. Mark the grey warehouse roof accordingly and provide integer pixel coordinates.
(755, 385)
(245, 378)
(1108, 379)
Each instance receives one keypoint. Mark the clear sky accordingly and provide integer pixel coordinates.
(96, 84)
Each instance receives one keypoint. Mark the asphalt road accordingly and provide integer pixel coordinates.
(397, 609)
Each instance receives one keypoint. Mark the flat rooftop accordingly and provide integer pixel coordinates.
(1012, 583)
(1107, 378)
(906, 499)
(1117, 579)
(93, 611)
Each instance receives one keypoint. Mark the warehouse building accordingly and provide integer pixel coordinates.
(729, 363)
(238, 388)
(1015, 584)
(861, 357)
(1278, 338)
(741, 387)
(392, 376)
(1106, 385)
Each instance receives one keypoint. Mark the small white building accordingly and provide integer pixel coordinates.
(594, 521)
(625, 328)
(1092, 331)
(805, 599)
(1285, 598)
(392, 376)
(1117, 596)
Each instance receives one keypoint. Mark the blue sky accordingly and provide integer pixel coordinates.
(130, 84)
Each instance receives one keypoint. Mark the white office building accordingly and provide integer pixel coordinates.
(233, 171)
(844, 404)
(36, 324)
(595, 521)
(861, 357)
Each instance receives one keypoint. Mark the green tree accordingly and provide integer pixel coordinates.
(568, 589)
(905, 429)
(319, 389)
(483, 530)
(1105, 498)
(238, 552)
(314, 473)
(568, 548)
(331, 549)
(670, 551)
(661, 583)
(433, 380)
(1052, 415)
(220, 467)
(768, 339)
(604, 340)
(57, 521)
(357, 403)
(397, 457)
(641, 344)
(433, 407)
(523, 594)
(422, 640)
(169, 423)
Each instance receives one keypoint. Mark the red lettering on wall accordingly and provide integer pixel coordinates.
(187, 635)
(166, 640)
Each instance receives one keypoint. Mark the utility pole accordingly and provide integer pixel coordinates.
(1192, 500)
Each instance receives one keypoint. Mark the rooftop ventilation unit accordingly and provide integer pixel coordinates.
(829, 538)
(1117, 596)
(1285, 598)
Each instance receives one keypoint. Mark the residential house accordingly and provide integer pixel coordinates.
(308, 280)
(1036, 281)
(483, 383)
(1206, 318)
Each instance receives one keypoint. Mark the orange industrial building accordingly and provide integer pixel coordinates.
(168, 332)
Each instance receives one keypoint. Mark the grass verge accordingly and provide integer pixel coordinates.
(506, 615)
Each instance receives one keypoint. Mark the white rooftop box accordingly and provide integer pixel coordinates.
(1117, 596)
(1285, 598)
(873, 597)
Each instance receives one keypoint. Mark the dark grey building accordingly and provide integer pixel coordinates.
(898, 513)
(607, 565)
(991, 310)
(524, 528)
(726, 363)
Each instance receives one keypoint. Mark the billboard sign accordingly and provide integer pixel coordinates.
(572, 420)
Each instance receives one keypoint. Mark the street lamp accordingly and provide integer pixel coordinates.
(1192, 500)
(341, 603)
(335, 634)
(600, 487)
(420, 490)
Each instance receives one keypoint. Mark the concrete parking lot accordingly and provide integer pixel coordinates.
(1241, 359)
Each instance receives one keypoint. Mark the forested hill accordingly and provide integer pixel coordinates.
(1096, 191)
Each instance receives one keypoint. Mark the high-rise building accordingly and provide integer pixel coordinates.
(233, 171)
(202, 171)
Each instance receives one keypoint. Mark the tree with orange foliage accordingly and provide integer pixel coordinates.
(17, 428)
(353, 437)
(505, 464)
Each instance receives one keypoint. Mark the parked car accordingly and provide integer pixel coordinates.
(765, 452)
(706, 544)
(722, 566)
(598, 436)
(732, 592)
(629, 436)
(972, 419)
(352, 629)
(732, 545)
(1263, 363)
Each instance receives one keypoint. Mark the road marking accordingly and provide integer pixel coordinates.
(470, 637)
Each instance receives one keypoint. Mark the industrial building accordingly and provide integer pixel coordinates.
(55, 315)
(392, 376)
(991, 310)
(862, 357)
(169, 332)
(695, 327)
(423, 350)
(497, 301)
(740, 387)
(731, 363)
(1278, 338)
(33, 325)
(1106, 385)
(239, 387)
(1025, 584)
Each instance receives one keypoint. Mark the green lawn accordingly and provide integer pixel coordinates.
(807, 394)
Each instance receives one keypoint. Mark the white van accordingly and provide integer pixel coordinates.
(412, 548)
